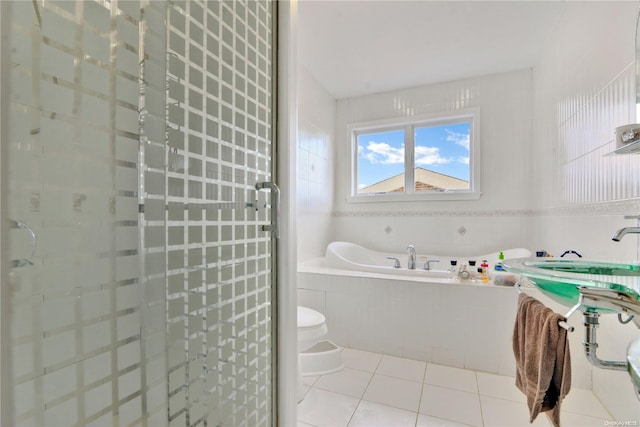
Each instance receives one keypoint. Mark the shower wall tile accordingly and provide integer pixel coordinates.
(315, 169)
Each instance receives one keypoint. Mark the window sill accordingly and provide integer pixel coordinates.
(395, 198)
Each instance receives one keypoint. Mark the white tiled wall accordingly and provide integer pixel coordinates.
(584, 87)
(494, 222)
(316, 121)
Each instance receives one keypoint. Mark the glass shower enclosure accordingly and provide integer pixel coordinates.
(140, 246)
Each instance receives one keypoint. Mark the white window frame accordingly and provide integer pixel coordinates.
(471, 115)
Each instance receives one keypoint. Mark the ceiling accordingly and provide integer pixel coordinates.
(359, 47)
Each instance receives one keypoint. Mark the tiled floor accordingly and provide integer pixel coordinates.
(376, 390)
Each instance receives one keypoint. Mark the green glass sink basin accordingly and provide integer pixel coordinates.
(559, 279)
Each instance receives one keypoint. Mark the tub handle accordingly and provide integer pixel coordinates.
(427, 263)
(396, 264)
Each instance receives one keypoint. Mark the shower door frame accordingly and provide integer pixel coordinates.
(6, 381)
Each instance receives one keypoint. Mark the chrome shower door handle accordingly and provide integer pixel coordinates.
(274, 227)
(17, 263)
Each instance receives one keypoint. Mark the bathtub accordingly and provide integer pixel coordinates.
(349, 256)
(422, 315)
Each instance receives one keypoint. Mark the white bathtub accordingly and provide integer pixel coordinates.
(371, 306)
(349, 256)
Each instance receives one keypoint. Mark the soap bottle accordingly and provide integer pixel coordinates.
(484, 266)
(464, 274)
(453, 269)
(473, 270)
(498, 266)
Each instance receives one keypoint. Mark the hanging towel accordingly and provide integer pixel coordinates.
(543, 362)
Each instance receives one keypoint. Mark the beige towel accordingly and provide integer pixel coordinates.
(543, 362)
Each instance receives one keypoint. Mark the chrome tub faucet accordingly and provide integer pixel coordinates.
(412, 257)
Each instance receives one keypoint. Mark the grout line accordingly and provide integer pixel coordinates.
(424, 378)
(475, 375)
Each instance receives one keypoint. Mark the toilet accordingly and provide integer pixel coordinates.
(315, 356)
(312, 328)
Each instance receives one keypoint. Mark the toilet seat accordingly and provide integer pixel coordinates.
(311, 327)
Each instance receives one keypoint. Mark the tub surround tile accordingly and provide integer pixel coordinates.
(447, 356)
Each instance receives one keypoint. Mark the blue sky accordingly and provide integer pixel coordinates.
(443, 149)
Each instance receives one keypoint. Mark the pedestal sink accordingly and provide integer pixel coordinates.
(562, 280)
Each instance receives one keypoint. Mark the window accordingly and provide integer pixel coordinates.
(428, 158)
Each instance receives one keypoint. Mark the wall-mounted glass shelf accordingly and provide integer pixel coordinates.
(628, 148)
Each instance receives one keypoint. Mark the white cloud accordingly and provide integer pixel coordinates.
(463, 160)
(430, 156)
(461, 139)
(381, 152)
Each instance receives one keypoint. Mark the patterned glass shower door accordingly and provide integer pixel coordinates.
(220, 109)
(88, 300)
(142, 287)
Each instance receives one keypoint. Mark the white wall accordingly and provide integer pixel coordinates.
(316, 124)
(497, 221)
(584, 86)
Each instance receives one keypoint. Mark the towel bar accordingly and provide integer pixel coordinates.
(562, 323)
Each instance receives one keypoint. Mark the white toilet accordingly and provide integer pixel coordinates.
(315, 357)
(311, 328)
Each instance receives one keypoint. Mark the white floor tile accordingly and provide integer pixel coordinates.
(449, 397)
(310, 380)
(456, 378)
(394, 392)
(500, 412)
(428, 421)
(451, 404)
(568, 419)
(348, 381)
(326, 409)
(584, 402)
(361, 360)
(499, 386)
(398, 367)
(370, 414)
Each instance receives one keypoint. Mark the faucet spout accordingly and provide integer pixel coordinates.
(412, 257)
(624, 231)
